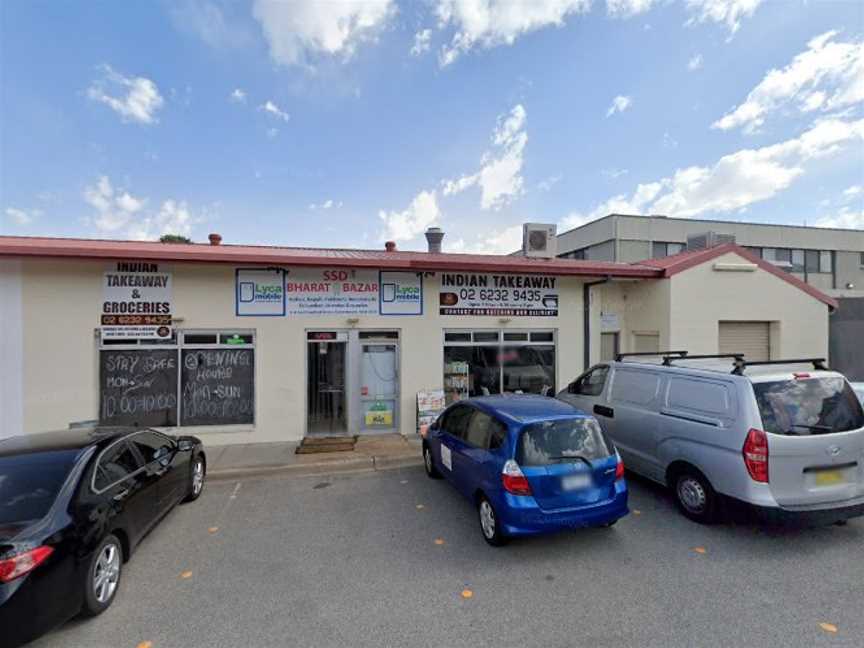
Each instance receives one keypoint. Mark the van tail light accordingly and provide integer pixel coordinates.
(755, 453)
(23, 563)
(619, 468)
(513, 480)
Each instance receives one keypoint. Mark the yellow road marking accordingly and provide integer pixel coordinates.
(186, 574)
(212, 529)
(467, 594)
(829, 627)
(145, 644)
(700, 550)
(439, 541)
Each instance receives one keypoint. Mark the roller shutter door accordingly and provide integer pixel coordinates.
(753, 339)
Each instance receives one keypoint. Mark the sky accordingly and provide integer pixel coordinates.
(346, 124)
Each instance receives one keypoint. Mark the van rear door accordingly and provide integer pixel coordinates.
(815, 426)
(567, 463)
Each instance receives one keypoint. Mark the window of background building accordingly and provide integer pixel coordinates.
(660, 250)
(825, 262)
(798, 261)
(811, 260)
(479, 363)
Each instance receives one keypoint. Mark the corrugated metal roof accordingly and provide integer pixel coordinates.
(296, 256)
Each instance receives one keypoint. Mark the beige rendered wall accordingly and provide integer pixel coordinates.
(641, 307)
(702, 296)
(61, 306)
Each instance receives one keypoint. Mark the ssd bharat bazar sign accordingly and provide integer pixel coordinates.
(498, 294)
(136, 302)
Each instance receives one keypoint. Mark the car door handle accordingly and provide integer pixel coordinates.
(602, 410)
(119, 497)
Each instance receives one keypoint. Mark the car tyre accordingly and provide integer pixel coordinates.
(197, 478)
(102, 577)
(695, 497)
(490, 523)
(429, 463)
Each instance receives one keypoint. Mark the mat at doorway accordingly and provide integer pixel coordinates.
(317, 445)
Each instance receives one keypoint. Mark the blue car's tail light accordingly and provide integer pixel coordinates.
(513, 480)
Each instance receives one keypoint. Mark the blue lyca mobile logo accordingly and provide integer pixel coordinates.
(255, 293)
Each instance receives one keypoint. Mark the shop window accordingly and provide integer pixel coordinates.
(379, 335)
(200, 338)
(478, 364)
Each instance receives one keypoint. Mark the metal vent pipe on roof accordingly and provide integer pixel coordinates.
(215, 239)
(434, 236)
(390, 246)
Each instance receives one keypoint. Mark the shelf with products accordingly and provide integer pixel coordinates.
(457, 381)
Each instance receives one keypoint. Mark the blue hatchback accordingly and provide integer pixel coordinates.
(530, 465)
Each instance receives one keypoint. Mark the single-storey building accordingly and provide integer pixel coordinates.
(241, 344)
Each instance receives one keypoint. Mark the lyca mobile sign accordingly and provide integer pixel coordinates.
(136, 301)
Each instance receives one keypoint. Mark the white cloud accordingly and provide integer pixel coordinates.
(854, 190)
(614, 174)
(422, 42)
(238, 96)
(500, 175)
(730, 12)
(133, 98)
(299, 32)
(209, 22)
(413, 221)
(327, 204)
(22, 216)
(668, 141)
(695, 62)
(735, 181)
(619, 105)
(846, 218)
(547, 183)
(828, 75)
(502, 241)
(120, 214)
(627, 8)
(489, 23)
(272, 109)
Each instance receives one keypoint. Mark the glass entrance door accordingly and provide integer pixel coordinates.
(379, 386)
(326, 405)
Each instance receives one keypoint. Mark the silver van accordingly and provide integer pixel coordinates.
(786, 442)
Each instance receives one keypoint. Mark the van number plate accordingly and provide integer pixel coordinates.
(829, 478)
(575, 482)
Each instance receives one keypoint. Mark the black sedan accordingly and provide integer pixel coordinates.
(73, 507)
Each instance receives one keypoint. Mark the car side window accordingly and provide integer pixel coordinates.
(479, 430)
(591, 383)
(456, 421)
(498, 434)
(153, 446)
(116, 464)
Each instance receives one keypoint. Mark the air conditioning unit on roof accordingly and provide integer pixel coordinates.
(539, 240)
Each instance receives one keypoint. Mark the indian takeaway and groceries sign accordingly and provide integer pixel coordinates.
(136, 302)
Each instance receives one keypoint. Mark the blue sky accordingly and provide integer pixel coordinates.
(346, 124)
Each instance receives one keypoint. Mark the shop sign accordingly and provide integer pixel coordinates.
(498, 295)
(136, 302)
(379, 415)
(260, 292)
(609, 322)
(401, 293)
(321, 291)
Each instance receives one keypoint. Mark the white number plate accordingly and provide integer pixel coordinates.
(575, 482)
(446, 457)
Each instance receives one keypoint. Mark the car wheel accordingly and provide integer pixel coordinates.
(102, 577)
(490, 525)
(695, 497)
(429, 463)
(197, 475)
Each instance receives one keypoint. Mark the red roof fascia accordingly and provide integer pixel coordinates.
(319, 257)
(677, 263)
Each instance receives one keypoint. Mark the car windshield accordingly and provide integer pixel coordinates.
(808, 406)
(29, 484)
(560, 441)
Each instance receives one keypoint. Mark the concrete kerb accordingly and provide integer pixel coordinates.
(330, 467)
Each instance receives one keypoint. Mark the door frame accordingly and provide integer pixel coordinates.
(355, 353)
(342, 337)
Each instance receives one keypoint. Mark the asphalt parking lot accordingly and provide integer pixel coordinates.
(393, 558)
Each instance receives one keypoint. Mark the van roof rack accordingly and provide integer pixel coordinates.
(668, 360)
(742, 364)
(647, 354)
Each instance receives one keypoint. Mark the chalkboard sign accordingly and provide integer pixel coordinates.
(218, 386)
(138, 387)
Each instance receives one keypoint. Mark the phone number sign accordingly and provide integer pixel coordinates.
(498, 295)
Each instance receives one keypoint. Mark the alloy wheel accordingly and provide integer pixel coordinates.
(197, 477)
(106, 575)
(487, 519)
